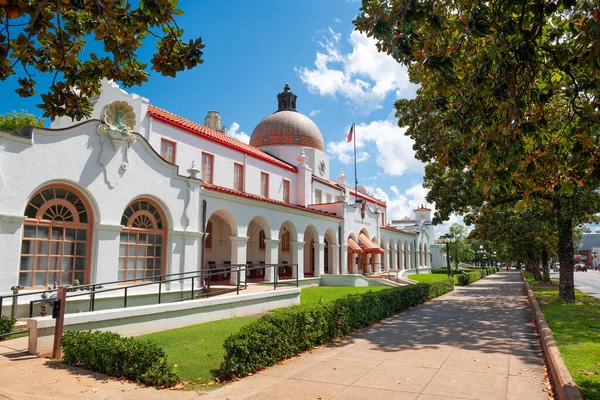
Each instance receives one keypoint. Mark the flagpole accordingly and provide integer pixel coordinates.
(355, 174)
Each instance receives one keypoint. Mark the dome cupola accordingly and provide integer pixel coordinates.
(286, 126)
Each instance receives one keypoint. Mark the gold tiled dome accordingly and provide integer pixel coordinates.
(287, 127)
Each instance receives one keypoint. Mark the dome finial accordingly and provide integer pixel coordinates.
(286, 100)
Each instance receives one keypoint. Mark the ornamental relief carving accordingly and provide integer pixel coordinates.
(119, 119)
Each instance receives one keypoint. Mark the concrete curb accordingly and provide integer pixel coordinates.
(566, 389)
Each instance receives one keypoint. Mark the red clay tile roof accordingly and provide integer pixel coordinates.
(423, 209)
(389, 228)
(259, 198)
(208, 134)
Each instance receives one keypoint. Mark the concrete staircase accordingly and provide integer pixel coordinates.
(390, 279)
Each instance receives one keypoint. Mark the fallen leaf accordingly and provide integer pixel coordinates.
(28, 392)
(94, 390)
(334, 368)
(407, 379)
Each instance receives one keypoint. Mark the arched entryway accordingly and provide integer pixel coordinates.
(220, 227)
(143, 241)
(57, 238)
(354, 255)
(287, 253)
(310, 238)
(258, 232)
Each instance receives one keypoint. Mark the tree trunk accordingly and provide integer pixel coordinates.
(545, 266)
(564, 224)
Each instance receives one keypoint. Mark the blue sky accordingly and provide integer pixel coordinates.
(254, 48)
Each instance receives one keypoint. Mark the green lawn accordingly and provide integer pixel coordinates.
(198, 350)
(576, 329)
(430, 278)
(313, 295)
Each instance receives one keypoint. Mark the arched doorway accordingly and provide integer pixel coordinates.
(287, 255)
(258, 231)
(310, 238)
(220, 227)
(57, 238)
(143, 241)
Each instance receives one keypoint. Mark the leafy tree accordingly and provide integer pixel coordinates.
(14, 121)
(507, 105)
(50, 36)
(460, 250)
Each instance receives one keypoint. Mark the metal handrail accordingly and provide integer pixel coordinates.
(205, 277)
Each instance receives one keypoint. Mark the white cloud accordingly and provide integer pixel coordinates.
(338, 21)
(402, 205)
(391, 148)
(313, 113)
(363, 76)
(241, 136)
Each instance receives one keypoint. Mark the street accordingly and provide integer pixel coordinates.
(588, 282)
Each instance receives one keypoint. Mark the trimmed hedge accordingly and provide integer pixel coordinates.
(285, 333)
(6, 326)
(109, 353)
(467, 278)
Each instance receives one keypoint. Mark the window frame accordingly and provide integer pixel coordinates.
(286, 239)
(319, 197)
(242, 180)
(261, 240)
(286, 190)
(264, 193)
(211, 157)
(163, 142)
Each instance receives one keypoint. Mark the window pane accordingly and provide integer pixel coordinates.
(54, 263)
(122, 263)
(25, 279)
(79, 263)
(131, 263)
(57, 233)
(70, 234)
(81, 234)
(66, 278)
(43, 232)
(141, 251)
(142, 238)
(122, 250)
(56, 248)
(39, 279)
(27, 247)
(26, 263)
(68, 248)
(80, 276)
(81, 249)
(67, 264)
(158, 251)
(42, 264)
(121, 275)
(29, 231)
(140, 263)
(131, 250)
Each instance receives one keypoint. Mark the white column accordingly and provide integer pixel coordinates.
(394, 261)
(377, 262)
(271, 257)
(238, 255)
(344, 261)
(386, 259)
(354, 263)
(298, 259)
(334, 251)
(319, 259)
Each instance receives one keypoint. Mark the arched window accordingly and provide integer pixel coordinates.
(56, 238)
(143, 238)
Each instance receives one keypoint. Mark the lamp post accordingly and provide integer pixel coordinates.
(594, 254)
(448, 239)
(481, 252)
(494, 261)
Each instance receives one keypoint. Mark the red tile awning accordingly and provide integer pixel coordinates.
(353, 247)
(368, 245)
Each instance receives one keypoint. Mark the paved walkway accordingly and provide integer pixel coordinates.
(474, 343)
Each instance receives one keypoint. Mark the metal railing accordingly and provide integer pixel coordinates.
(204, 283)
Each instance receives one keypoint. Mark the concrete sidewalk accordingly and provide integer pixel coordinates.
(474, 343)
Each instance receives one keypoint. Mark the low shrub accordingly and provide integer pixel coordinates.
(285, 333)
(109, 353)
(467, 278)
(6, 325)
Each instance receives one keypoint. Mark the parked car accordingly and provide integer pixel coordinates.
(556, 267)
(580, 267)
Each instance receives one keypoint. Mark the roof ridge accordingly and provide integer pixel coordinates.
(222, 138)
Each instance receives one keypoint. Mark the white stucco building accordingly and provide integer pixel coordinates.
(137, 191)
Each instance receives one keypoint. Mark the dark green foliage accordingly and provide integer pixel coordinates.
(6, 325)
(109, 353)
(291, 331)
(466, 278)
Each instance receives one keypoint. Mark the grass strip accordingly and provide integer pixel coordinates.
(576, 330)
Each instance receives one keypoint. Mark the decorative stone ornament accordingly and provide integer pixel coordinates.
(302, 158)
(322, 167)
(120, 119)
(363, 208)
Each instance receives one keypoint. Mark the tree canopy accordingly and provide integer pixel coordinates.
(50, 36)
(15, 120)
(508, 104)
